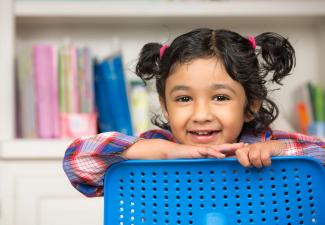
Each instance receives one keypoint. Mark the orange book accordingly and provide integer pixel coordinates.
(303, 117)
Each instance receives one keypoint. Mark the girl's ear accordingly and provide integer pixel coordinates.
(163, 107)
(255, 107)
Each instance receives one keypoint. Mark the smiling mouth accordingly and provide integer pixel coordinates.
(204, 133)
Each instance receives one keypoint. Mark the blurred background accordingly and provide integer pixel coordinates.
(65, 64)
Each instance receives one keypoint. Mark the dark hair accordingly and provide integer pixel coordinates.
(250, 67)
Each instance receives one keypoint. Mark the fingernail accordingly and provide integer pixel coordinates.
(246, 144)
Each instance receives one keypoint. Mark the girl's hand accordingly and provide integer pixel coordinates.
(163, 149)
(259, 154)
(213, 151)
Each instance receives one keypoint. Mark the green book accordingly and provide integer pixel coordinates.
(319, 104)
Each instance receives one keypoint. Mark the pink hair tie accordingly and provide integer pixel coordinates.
(252, 41)
(162, 50)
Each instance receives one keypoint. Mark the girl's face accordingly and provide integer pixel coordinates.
(203, 104)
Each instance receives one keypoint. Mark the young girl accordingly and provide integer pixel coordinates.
(211, 86)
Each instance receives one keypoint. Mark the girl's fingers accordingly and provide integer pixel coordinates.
(198, 152)
(242, 156)
(254, 156)
(229, 149)
(266, 158)
(211, 153)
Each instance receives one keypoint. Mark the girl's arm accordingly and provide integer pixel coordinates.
(87, 159)
(281, 143)
(301, 145)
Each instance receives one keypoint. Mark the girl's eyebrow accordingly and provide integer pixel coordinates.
(180, 88)
(223, 86)
(214, 86)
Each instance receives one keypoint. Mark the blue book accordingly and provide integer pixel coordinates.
(114, 100)
(105, 122)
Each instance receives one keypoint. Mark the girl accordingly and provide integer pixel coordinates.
(211, 86)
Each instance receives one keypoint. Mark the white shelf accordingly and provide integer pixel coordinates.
(167, 9)
(302, 21)
(173, 13)
(33, 149)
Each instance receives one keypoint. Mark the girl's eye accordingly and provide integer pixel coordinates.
(183, 99)
(220, 98)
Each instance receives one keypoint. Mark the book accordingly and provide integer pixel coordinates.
(319, 104)
(85, 80)
(46, 86)
(26, 107)
(77, 113)
(69, 100)
(113, 105)
(303, 117)
(140, 107)
(311, 91)
(105, 117)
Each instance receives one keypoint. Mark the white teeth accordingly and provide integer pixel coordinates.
(203, 132)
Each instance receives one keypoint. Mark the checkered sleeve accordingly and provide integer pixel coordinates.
(87, 158)
(301, 145)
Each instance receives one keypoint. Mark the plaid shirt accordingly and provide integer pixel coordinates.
(87, 158)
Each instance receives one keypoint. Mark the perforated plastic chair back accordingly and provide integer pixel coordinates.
(215, 192)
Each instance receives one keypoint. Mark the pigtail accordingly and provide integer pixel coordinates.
(149, 60)
(278, 55)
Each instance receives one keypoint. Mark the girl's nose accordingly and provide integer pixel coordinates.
(202, 113)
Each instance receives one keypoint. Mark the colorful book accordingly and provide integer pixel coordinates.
(26, 95)
(46, 85)
(311, 90)
(85, 80)
(140, 107)
(303, 117)
(69, 101)
(319, 104)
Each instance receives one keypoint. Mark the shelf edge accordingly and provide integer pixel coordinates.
(101, 9)
(33, 149)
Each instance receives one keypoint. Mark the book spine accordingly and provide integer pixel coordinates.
(26, 95)
(119, 96)
(104, 105)
(43, 64)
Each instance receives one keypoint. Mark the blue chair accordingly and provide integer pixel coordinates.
(215, 192)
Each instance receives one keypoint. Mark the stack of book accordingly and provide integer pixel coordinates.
(55, 92)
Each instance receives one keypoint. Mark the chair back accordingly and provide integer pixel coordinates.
(215, 192)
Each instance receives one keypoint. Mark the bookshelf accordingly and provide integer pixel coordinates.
(97, 23)
(31, 166)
